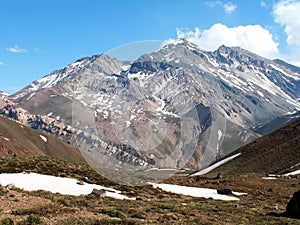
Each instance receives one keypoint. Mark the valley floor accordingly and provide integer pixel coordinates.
(264, 203)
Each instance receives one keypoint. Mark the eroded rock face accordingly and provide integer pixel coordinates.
(293, 207)
(55, 127)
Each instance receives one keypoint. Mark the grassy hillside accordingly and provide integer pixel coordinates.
(19, 140)
(264, 204)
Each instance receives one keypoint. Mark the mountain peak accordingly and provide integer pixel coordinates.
(181, 42)
(178, 41)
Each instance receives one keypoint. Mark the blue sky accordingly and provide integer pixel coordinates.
(39, 36)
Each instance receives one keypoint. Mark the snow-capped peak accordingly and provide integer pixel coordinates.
(173, 42)
(181, 42)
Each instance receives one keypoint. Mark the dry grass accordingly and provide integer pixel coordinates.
(264, 204)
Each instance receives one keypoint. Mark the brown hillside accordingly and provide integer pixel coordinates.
(274, 153)
(19, 140)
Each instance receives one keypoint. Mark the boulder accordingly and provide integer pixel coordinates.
(10, 186)
(293, 207)
(80, 182)
(224, 191)
(100, 192)
(219, 176)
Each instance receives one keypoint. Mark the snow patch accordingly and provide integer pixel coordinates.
(4, 94)
(260, 93)
(239, 193)
(62, 185)
(128, 123)
(43, 138)
(219, 135)
(292, 173)
(285, 73)
(269, 178)
(125, 67)
(214, 166)
(30, 96)
(50, 114)
(77, 63)
(196, 192)
(105, 114)
(162, 104)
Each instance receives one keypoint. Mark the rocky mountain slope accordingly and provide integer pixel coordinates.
(171, 102)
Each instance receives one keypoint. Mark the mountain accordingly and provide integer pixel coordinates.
(275, 153)
(19, 140)
(170, 102)
(54, 93)
(278, 122)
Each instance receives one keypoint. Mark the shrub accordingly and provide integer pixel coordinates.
(3, 192)
(112, 212)
(7, 221)
(33, 219)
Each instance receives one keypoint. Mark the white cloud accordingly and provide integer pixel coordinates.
(263, 4)
(251, 37)
(1, 63)
(287, 14)
(229, 7)
(17, 49)
(214, 3)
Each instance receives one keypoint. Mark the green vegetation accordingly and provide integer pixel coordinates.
(112, 212)
(3, 192)
(33, 219)
(7, 221)
(44, 210)
(95, 221)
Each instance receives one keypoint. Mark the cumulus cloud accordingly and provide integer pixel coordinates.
(17, 49)
(1, 63)
(287, 14)
(251, 37)
(229, 7)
